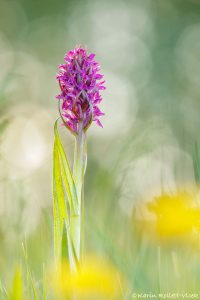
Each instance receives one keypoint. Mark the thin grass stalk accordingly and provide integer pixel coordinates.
(159, 269)
(78, 174)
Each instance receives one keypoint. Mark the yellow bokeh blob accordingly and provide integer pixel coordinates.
(175, 214)
(95, 279)
(172, 215)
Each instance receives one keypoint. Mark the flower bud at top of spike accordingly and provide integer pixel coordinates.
(80, 83)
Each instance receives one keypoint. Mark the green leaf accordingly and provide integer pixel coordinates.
(64, 200)
(65, 242)
(59, 188)
(57, 236)
(66, 172)
(59, 202)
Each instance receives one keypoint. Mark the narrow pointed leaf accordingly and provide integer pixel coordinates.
(68, 178)
(59, 202)
(16, 292)
(65, 243)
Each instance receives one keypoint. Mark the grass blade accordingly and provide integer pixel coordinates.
(66, 171)
(16, 292)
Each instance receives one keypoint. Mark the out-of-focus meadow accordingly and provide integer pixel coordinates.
(149, 51)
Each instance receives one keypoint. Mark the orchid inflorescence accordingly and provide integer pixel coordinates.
(80, 83)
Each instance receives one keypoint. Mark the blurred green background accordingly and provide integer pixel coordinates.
(149, 51)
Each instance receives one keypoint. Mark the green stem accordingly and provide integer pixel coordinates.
(78, 174)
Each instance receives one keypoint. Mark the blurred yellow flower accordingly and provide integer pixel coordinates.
(174, 216)
(95, 279)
